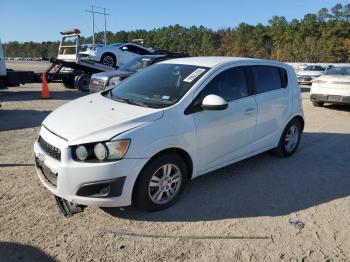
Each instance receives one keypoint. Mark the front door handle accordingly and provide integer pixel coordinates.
(249, 111)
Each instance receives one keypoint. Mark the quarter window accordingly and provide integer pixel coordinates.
(268, 78)
(231, 84)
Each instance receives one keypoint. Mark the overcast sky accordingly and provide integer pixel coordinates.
(39, 20)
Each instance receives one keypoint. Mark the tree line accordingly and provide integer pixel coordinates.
(321, 37)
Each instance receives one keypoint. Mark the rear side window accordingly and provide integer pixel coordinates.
(230, 84)
(268, 78)
(137, 50)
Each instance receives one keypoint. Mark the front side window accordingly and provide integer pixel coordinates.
(230, 84)
(315, 68)
(158, 86)
(268, 78)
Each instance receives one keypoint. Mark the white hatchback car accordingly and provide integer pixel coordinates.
(143, 140)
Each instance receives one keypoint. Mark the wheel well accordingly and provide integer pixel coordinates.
(301, 120)
(185, 156)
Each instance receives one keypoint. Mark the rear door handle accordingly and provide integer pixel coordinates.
(249, 111)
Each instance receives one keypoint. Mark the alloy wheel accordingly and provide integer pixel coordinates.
(291, 138)
(165, 184)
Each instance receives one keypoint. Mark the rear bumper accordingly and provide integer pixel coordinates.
(334, 99)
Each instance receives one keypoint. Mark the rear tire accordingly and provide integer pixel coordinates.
(69, 84)
(289, 140)
(109, 60)
(317, 104)
(82, 82)
(161, 182)
(3, 84)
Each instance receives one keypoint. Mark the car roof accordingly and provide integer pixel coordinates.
(212, 61)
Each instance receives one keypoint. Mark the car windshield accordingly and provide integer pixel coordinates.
(315, 68)
(339, 71)
(137, 64)
(158, 86)
(117, 45)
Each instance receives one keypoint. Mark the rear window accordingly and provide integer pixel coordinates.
(269, 78)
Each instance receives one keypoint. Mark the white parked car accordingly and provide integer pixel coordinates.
(311, 72)
(144, 140)
(115, 55)
(333, 87)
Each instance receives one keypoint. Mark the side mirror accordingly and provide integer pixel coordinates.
(125, 48)
(214, 102)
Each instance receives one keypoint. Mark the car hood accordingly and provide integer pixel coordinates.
(310, 73)
(113, 73)
(96, 118)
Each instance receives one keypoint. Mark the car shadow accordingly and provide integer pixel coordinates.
(335, 107)
(264, 185)
(13, 119)
(18, 252)
(11, 96)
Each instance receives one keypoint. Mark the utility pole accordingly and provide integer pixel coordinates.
(93, 12)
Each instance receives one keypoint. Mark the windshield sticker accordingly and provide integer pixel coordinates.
(165, 97)
(194, 75)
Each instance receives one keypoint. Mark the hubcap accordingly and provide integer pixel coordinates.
(165, 184)
(108, 60)
(291, 138)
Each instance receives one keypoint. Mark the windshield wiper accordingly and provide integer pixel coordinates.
(128, 101)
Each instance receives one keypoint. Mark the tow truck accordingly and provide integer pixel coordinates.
(69, 68)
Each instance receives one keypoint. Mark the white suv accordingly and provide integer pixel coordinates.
(143, 140)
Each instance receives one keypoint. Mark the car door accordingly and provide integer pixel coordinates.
(274, 101)
(223, 136)
(127, 55)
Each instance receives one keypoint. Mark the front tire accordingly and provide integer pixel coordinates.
(317, 104)
(161, 182)
(290, 139)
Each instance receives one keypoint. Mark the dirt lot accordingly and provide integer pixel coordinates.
(261, 209)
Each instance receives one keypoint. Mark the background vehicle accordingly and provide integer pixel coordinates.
(68, 68)
(13, 78)
(101, 81)
(117, 54)
(332, 87)
(311, 72)
(173, 121)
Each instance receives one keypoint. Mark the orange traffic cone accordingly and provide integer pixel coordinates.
(45, 92)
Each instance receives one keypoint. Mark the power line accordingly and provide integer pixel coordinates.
(93, 12)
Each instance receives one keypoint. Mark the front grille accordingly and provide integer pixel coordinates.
(96, 85)
(305, 78)
(49, 149)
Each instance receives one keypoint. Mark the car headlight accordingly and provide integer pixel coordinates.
(114, 81)
(82, 153)
(103, 151)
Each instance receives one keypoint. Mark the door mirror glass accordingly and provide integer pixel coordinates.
(214, 102)
(125, 48)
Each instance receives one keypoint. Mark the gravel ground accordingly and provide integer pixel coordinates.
(260, 209)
